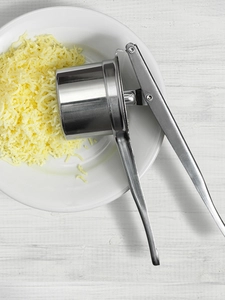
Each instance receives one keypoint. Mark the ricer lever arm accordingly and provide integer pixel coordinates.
(155, 100)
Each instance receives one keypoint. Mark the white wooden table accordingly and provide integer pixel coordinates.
(102, 253)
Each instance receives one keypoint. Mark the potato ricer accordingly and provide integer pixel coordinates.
(92, 102)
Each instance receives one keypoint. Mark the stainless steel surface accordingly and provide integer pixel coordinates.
(91, 101)
(130, 97)
(157, 103)
(82, 101)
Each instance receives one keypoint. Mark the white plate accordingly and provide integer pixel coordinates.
(54, 187)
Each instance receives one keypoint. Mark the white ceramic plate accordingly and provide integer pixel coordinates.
(54, 187)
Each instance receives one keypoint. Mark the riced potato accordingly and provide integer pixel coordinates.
(30, 129)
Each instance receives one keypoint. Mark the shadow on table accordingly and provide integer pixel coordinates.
(128, 220)
(186, 198)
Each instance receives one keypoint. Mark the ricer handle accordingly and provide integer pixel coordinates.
(124, 146)
(119, 123)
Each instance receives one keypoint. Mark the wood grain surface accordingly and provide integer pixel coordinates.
(102, 253)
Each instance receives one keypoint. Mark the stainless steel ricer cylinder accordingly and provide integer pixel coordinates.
(83, 92)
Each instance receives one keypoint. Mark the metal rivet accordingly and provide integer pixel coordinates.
(149, 97)
(131, 49)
